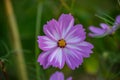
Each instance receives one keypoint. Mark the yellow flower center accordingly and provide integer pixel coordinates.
(61, 43)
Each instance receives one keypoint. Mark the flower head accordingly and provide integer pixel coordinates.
(99, 32)
(105, 29)
(58, 76)
(63, 43)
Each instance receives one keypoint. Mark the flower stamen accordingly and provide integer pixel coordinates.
(61, 43)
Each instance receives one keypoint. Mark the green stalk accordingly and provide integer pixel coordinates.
(65, 5)
(37, 52)
(16, 43)
(72, 4)
(119, 2)
(106, 20)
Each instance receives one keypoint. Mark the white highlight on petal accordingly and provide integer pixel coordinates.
(57, 55)
(70, 25)
(49, 43)
(70, 34)
(57, 36)
(73, 40)
(72, 53)
(83, 44)
(72, 56)
(66, 30)
(73, 47)
(51, 35)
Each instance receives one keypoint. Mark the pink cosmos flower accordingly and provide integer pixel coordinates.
(63, 43)
(105, 29)
(99, 32)
(58, 76)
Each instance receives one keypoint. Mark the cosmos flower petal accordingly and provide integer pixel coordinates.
(83, 48)
(79, 47)
(73, 59)
(56, 58)
(96, 30)
(84, 43)
(86, 48)
(95, 35)
(116, 24)
(57, 76)
(117, 21)
(52, 29)
(43, 59)
(99, 32)
(70, 78)
(105, 26)
(76, 34)
(66, 22)
(45, 43)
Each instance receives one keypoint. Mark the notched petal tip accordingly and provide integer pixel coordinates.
(66, 16)
(52, 20)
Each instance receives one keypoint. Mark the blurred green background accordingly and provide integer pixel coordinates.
(31, 15)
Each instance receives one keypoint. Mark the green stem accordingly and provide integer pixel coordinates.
(119, 2)
(16, 43)
(65, 5)
(72, 4)
(38, 21)
(106, 20)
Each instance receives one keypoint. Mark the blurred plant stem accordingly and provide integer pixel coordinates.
(65, 5)
(72, 4)
(38, 24)
(119, 2)
(16, 43)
